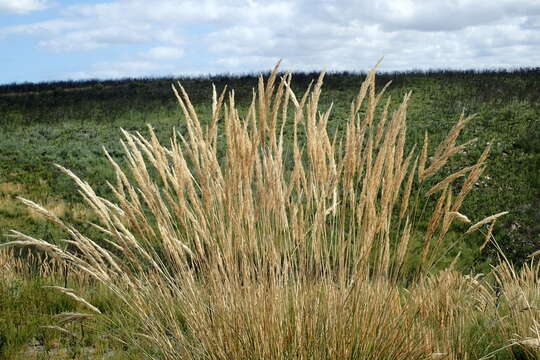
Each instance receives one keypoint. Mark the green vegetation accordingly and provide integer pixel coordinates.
(237, 245)
(31, 312)
(68, 123)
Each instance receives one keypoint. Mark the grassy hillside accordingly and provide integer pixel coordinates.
(246, 251)
(69, 122)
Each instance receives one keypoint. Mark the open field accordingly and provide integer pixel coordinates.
(265, 237)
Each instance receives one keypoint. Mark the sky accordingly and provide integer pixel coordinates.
(47, 40)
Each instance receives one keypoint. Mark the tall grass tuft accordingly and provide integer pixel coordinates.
(260, 236)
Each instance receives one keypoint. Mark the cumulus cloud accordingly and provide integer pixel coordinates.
(411, 34)
(427, 15)
(42, 28)
(22, 6)
(91, 39)
(136, 21)
(187, 11)
(250, 35)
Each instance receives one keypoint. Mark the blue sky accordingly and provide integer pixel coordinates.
(44, 40)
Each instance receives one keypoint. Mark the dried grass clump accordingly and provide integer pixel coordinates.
(451, 312)
(15, 264)
(8, 264)
(518, 308)
(243, 257)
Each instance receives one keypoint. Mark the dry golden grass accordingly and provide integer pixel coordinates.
(10, 188)
(7, 264)
(57, 208)
(241, 257)
(518, 298)
(9, 192)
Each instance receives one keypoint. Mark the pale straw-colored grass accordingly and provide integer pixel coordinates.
(242, 257)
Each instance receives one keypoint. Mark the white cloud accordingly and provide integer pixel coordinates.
(42, 28)
(90, 39)
(188, 11)
(163, 53)
(166, 21)
(22, 6)
(427, 15)
(247, 35)
(350, 35)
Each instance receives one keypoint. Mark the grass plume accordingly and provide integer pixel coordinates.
(289, 245)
